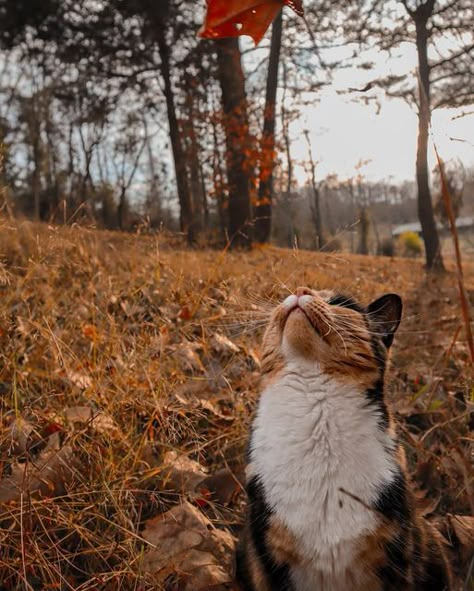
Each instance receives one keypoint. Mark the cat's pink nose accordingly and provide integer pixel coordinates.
(300, 291)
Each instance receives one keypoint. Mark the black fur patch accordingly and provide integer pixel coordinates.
(278, 575)
(375, 398)
(242, 570)
(392, 501)
(345, 302)
(394, 574)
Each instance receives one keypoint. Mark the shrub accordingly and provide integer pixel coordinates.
(411, 244)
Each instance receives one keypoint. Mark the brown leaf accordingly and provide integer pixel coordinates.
(19, 437)
(181, 473)
(222, 345)
(222, 486)
(461, 528)
(188, 357)
(81, 380)
(85, 416)
(188, 547)
(49, 476)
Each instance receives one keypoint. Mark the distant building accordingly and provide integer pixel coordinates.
(463, 224)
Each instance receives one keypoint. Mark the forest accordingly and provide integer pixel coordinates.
(116, 113)
(162, 190)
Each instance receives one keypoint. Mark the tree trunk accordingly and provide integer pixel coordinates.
(219, 183)
(184, 196)
(291, 234)
(263, 211)
(315, 203)
(154, 201)
(37, 176)
(363, 231)
(122, 204)
(205, 204)
(239, 169)
(194, 174)
(425, 205)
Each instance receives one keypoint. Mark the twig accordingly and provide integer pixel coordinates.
(454, 232)
(444, 423)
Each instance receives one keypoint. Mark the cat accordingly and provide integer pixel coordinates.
(329, 502)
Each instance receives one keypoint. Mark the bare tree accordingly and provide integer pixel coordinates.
(128, 150)
(316, 200)
(440, 82)
(238, 140)
(263, 209)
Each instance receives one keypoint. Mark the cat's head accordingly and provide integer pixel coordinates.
(345, 339)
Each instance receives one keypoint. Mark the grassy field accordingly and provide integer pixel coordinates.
(128, 377)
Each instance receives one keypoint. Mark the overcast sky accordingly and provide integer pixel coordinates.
(344, 131)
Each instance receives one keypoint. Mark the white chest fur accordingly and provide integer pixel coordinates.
(312, 439)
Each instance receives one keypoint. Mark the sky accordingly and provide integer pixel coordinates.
(345, 131)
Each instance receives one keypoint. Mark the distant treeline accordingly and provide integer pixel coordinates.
(115, 113)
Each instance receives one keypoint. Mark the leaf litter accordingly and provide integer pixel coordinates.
(129, 375)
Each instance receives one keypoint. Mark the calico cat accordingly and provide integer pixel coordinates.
(329, 502)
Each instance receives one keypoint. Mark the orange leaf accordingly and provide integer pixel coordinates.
(231, 18)
(90, 332)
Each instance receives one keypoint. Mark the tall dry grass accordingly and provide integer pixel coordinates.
(114, 352)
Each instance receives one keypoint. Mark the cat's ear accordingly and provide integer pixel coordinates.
(385, 314)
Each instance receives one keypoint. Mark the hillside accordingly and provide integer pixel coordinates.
(128, 376)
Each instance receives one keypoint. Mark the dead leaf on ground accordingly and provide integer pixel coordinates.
(48, 476)
(85, 416)
(81, 380)
(222, 486)
(188, 548)
(222, 345)
(180, 473)
(461, 528)
(19, 436)
(188, 357)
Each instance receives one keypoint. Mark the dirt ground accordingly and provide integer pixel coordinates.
(128, 377)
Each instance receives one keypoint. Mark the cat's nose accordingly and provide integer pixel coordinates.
(300, 291)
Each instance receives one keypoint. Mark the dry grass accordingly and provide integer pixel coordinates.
(126, 326)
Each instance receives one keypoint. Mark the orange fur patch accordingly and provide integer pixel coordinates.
(255, 569)
(335, 337)
(282, 543)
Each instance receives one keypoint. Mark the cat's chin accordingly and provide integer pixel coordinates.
(300, 336)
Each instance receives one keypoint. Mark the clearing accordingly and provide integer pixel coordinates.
(128, 376)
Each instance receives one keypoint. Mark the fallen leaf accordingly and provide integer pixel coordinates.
(188, 357)
(19, 437)
(87, 416)
(222, 345)
(49, 476)
(80, 380)
(189, 548)
(180, 473)
(462, 526)
(90, 332)
(222, 486)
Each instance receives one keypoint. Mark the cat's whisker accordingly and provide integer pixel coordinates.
(333, 327)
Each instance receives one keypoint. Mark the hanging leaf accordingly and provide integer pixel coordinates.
(231, 18)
